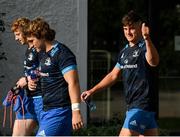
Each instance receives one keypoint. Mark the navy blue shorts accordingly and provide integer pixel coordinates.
(139, 120)
(56, 122)
(32, 107)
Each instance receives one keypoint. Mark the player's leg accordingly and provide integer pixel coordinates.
(38, 107)
(26, 121)
(152, 128)
(128, 132)
(139, 123)
(136, 123)
(151, 132)
(24, 127)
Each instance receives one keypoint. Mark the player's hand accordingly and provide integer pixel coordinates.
(21, 82)
(32, 84)
(145, 31)
(77, 121)
(85, 95)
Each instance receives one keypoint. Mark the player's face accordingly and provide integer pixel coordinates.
(37, 43)
(19, 37)
(132, 32)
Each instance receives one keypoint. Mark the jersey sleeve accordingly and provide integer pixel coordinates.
(67, 61)
(144, 51)
(118, 63)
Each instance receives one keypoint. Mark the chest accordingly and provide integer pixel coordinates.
(49, 64)
(30, 58)
(131, 56)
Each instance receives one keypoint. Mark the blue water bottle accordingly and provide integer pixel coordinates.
(33, 74)
(91, 105)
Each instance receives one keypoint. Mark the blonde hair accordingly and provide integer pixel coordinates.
(20, 23)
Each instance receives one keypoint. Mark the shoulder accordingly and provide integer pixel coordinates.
(123, 50)
(142, 45)
(64, 50)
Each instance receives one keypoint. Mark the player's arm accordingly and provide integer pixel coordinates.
(106, 82)
(71, 78)
(152, 55)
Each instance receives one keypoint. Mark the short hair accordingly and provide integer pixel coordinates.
(21, 24)
(130, 18)
(40, 29)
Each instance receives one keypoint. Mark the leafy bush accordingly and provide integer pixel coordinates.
(168, 126)
(103, 128)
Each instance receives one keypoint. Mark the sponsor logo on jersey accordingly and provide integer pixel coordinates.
(129, 66)
(122, 56)
(133, 123)
(30, 57)
(24, 62)
(48, 62)
(135, 53)
(42, 133)
(126, 61)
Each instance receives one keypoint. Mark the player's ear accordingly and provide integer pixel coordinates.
(146, 23)
(139, 24)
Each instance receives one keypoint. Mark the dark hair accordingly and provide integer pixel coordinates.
(130, 18)
(41, 30)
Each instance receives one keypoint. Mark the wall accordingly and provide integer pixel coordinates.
(67, 17)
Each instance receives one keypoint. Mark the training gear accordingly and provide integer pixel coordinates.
(54, 64)
(56, 122)
(75, 106)
(139, 120)
(91, 105)
(138, 77)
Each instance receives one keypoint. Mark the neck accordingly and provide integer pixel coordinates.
(133, 43)
(29, 46)
(48, 45)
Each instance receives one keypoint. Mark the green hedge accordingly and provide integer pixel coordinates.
(167, 126)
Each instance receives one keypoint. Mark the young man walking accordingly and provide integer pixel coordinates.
(134, 63)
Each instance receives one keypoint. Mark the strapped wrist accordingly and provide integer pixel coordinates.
(75, 106)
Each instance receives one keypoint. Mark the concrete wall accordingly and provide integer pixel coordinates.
(67, 17)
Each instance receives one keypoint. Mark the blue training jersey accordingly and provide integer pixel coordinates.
(53, 65)
(31, 63)
(138, 78)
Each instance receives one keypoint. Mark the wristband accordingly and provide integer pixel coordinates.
(75, 106)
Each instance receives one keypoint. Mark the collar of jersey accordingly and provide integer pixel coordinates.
(53, 49)
(140, 43)
(55, 43)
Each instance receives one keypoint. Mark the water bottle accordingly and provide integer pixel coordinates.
(91, 105)
(34, 75)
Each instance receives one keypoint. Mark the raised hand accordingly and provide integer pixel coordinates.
(145, 31)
